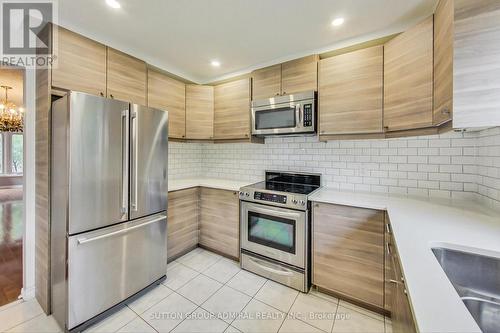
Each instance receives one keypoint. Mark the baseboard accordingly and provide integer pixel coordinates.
(27, 293)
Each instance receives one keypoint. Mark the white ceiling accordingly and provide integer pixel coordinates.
(183, 36)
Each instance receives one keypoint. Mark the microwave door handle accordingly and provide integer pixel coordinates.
(298, 114)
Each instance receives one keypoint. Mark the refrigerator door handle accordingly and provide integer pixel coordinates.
(119, 232)
(125, 158)
(133, 182)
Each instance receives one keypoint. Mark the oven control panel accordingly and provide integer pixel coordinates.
(270, 197)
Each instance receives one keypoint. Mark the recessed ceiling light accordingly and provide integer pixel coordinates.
(215, 63)
(338, 21)
(113, 4)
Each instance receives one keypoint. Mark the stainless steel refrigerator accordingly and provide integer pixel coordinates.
(108, 205)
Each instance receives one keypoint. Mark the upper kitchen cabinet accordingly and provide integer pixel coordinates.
(199, 112)
(169, 94)
(476, 69)
(290, 77)
(80, 64)
(266, 82)
(232, 110)
(299, 75)
(126, 77)
(351, 92)
(443, 62)
(408, 79)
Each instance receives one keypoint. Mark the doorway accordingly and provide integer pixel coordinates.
(11, 183)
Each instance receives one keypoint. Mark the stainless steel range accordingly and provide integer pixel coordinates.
(275, 225)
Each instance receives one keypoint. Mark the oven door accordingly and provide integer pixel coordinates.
(276, 119)
(273, 232)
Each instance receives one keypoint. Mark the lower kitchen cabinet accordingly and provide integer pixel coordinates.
(348, 253)
(395, 289)
(182, 230)
(219, 221)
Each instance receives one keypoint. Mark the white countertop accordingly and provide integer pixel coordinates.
(418, 225)
(222, 184)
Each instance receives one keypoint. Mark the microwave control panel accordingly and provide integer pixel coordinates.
(308, 113)
(270, 197)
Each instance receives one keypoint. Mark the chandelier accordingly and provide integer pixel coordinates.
(11, 117)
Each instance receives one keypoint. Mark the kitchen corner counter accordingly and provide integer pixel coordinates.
(217, 183)
(419, 225)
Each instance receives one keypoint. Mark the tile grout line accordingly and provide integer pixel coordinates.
(287, 313)
(24, 322)
(144, 320)
(335, 316)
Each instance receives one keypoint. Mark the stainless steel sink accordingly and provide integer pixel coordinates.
(476, 279)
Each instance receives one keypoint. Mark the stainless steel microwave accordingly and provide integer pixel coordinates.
(285, 115)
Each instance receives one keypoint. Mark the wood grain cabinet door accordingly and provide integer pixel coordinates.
(299, 75)
(219, 221)
(408, 78)
(199, 112)
(351, 92)
(266, 82)
(443, 61)
(169, 94)
(183, 212)
(232, 110)
(348, 252)
(401, 314)
(80, 64)
(389, 275)
(476, 54)
(126, 77)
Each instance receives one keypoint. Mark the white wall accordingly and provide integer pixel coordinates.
(29, 186)
(458, 165)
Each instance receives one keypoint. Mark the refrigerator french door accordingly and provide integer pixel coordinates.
(108, 204)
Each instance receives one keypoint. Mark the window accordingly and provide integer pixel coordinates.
(11, 151)
(17, 153)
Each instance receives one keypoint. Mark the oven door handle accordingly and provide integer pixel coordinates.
(269, 269)
(280, 213)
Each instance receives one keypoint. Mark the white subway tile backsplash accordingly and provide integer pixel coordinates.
(453, 164)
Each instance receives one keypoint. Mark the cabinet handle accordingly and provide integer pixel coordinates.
(284, 93)
(388, 228)
(402, 278)
(386, 128)
(445, 111)
(393, 281)
(101, 93)
(277, 94)
(111, 95)
(405, 292)
(388, 247)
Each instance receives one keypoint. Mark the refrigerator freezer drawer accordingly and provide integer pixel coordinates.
(108, 265)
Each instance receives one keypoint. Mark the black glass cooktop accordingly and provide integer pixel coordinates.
(285, 187)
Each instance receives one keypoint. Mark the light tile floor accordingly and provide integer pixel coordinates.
(205, 292)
